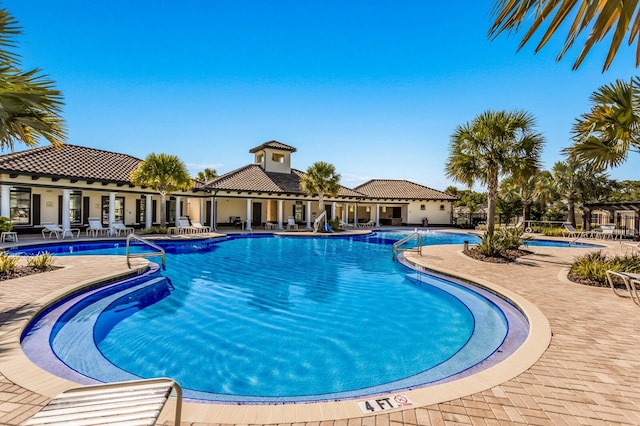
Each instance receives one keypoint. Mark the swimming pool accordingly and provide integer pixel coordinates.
(269, 319)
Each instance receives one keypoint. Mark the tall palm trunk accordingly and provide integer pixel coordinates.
(163, 209)
(571, 210)
(492, 196)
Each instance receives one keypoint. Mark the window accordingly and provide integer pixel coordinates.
(277, 158)
(441, 206)
(75, 208)
(259, 158)
(423, 207)
(119, 210)
(20, 206)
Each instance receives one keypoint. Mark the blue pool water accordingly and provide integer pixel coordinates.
(272, 319)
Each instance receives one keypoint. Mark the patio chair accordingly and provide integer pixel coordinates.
(198, 227)
(630, 281)
(571, 232)
(184, 226)
(370, 224)
(291, 223)
(119, 227)
(95, 227)
(54, 229)
(345, 225)
(135, 402)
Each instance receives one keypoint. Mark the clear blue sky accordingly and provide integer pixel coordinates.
(374, 87)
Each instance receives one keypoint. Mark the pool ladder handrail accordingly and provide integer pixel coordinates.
(148, 254)
(316, 222)
(397, 244)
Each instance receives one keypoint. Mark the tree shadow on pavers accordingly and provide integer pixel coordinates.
(10, 317)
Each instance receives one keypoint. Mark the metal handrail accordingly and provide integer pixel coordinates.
(318, 219)
(150, 244)
(397, 244)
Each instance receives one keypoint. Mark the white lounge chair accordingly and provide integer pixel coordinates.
(198, 227)
(54, 229)
(570, 231)
(183, 225)
(291, 223)
(346, 225)
(631, 282)
(95, 227)
(137, 402)
(370, 224)
(119, 227)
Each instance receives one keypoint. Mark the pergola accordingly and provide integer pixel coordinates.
(625, 214)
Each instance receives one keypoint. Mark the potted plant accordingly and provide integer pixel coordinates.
(6, 226)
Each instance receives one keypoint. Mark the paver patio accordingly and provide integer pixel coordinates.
(589, 375)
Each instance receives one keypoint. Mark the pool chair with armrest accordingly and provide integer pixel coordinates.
(95, 227)
(54, 229)
(119, 227)
(291, 223)
(369, 224)
(198, 227)
(571, 232)
(137, 402)
(184, 226)
(631, 282)
(345, 225)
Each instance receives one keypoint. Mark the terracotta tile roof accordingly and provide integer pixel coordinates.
(253, 178)
(401, 189)
(71, 161)
(274, 145)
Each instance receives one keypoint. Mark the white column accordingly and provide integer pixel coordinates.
(248, 227)
(333, 210)
(148, 212)
(280, 213)
(112, 211)
(178, 208)
(355, 215)
(213, 213)
(66, 200)
(377, 215)
(5, 201)
(309, 214)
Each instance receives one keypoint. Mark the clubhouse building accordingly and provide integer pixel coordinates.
(67, 186)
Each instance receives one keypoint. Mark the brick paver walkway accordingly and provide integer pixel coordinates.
(589, 375)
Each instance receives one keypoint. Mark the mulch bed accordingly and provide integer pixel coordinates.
(505, 257)
(512, 255)
(25, 271)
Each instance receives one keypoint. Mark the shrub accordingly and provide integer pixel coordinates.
(593, 266)
(334, 224)
(42, 260)
(7, 263)
(552, 232)
(5, 224)
(154, 230)
(502, 240)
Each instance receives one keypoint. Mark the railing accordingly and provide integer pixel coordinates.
(147, 254)
(397, 244)
(316, 222)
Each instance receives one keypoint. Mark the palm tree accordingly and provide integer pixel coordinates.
(166, 174)
(30, 107)
(604, 136)
(322, 180)
(492, 145)
(207, 174)
(595, 17)
(576, 183)
(524, 189)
